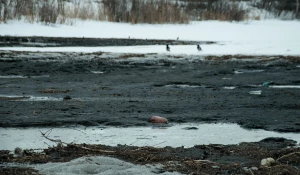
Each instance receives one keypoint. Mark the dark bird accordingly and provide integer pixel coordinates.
(168, 48)
(199, 48)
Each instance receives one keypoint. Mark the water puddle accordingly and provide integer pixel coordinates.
(32, 98)
(247, 71)
(21, 76)
(28, 98)
(12, 76)
(175, 136)
(97, 72)
(285, 86)
(183, 86)
(226, 78)
(229, 87)
(46, 98)
(255, 92)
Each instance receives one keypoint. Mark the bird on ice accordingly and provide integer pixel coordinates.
(199, 48)
(168, 48)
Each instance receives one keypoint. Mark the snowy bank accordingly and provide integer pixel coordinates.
(249, 38)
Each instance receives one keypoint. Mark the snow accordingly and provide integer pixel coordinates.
(270, 37)
(98, 165)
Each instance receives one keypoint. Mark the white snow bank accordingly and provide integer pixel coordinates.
(271, 37)
(272, 30)
(98, 165)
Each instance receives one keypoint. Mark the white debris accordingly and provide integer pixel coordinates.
(267, 161)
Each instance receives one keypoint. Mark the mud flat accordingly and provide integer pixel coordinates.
(124, 90)
(127, 89)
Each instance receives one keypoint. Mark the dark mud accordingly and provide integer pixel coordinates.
(34, 41)
(244, 158)
(121, 90)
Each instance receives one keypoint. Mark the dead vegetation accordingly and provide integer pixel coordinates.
(136, 11)
(201, 159)
(125, 56)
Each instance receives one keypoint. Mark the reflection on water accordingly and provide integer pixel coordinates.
(21, 76)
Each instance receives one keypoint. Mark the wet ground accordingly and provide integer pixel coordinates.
(54, 89)
(34, 41)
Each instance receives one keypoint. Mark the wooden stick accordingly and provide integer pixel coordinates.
(287, 155)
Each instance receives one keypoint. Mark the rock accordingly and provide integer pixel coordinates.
(18, 152)
(158, 119)
(190, 128)
(267, 161)
(277, 142)
(67, 98)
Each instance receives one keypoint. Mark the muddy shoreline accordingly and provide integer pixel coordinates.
(36, 41)
(127, 89)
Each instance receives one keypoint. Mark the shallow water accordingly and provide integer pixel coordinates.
(21, 76)
(285, 86)
(186, 135)
(29, 98)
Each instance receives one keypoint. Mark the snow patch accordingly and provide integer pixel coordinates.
(98, 165)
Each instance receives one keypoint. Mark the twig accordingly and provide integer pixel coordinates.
(205, 161)
(59, 144)
(95, 150)
(158, 143)
(52, 140)
(79, 130)
(133, 142)
(47, 144)
(50, 130)
(287, 155)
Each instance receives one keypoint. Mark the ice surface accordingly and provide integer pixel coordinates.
(174, 135)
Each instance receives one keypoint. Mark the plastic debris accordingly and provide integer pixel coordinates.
(267, 83)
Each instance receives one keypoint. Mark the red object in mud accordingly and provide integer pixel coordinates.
(158, 119)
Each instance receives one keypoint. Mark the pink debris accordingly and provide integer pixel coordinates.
(158, 119)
